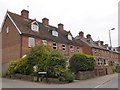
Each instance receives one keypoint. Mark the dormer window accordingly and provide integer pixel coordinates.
(34, 26)
(69, 37)
(55, 33)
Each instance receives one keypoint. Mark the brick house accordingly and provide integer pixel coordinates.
(20, 33)
(100, 52)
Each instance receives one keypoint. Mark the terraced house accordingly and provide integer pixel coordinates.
(20, 33)
(104, 56)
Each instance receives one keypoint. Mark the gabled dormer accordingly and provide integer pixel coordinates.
(35, 26)
(53, 31)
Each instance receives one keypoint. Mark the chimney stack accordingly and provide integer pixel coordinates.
(81, 34)
(60, 26)
(45, 21)
(101, 42)
(25, 13)
(88, 36)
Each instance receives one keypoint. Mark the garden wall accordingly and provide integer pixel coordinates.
(85, 75)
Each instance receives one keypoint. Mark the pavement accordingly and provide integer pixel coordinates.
(110, 81)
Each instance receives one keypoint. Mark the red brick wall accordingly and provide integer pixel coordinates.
(26, 49)
(10, 42)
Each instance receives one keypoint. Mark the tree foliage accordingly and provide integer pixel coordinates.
(81, 62)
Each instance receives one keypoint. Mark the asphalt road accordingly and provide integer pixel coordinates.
(108, 81)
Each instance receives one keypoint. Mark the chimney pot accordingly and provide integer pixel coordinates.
(81, 34)
(25, 13)
(88, 36)
(60, 26)
(45, 21)
(101, 42)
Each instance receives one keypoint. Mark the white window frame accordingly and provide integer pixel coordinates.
(54, 45)
(99, 61)
(69, 37)
(63, 47)
(78, 49)
(7, 29)
(35, 26)
(72, 49)
(31, 42)
(55, 33)
(105, 61)
(44, 42)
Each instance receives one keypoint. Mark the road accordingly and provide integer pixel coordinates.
(108, 81)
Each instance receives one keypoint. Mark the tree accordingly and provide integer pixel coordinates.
(81, 62)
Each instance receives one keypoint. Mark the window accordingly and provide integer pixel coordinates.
(31, 42)
(35, 26)
(105, 62)
(54, 45)
(72, 48)
(55, 33)
(78, 49)
(69, 37)
(64, 47)
(99, 61)
(7, 29)
(44, 42)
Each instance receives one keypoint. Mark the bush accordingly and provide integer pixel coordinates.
(67, 76)
(81, 62)
(37, 56)
(55, 64)
(118, 68)
(12, 68)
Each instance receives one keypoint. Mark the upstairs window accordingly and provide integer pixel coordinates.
(44, 42)
(69, 37)
(99, 61)
(64, 47)
(34, 26)
(55, 33)
(31, 42)
(78, 49)
(7, 30)
(54, 45)
(71, 48)
(105, 62)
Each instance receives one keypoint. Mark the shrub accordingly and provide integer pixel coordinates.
(12, 68)
(55, 63)
(81, 62)
(67, 76)
(37, 56)
(22, 66)
(118, 68)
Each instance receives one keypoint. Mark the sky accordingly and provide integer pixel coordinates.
(95, 17)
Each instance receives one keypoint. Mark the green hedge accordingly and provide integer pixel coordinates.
(82, 62)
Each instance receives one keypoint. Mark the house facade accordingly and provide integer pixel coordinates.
(20, 33)
(104, 57)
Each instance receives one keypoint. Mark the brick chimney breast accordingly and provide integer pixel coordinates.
(88, 36)
(25, 13)
(60, 26)
(45, 21)
(81, 34)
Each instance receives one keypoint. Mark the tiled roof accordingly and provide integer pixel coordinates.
(24, 26)
(89, 42)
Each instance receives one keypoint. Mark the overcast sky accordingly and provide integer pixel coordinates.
(95, 17)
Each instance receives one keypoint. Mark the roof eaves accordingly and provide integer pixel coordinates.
(14, 23)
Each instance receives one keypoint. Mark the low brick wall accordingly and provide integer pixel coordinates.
(33, 78)
(85, 75)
